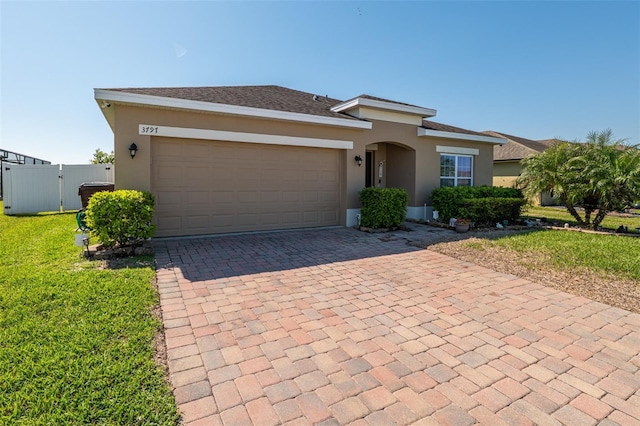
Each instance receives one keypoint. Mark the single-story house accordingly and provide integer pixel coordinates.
(247, 158)
(507, 161)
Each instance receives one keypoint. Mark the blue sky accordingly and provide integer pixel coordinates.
(533, 69)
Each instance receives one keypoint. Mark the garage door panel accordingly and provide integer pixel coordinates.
(216, 186)
(271, 155)
(290, 196)
(223, 151)
(270, 174)
(197, 223)
(310, 217)
(330, 216)
(270, 218)
(290, 175)
(223, 220)
(330, 196)
(248, 219)
(169, 175)
(197, 150)
(168, 198)
(270, 197)
(222, 173)
(223, 197)
(196, 198)
(329, 177)
(311, 176)
(310, 196)
(168, 148)
(197, 175)
(168, 225)
(248, 197)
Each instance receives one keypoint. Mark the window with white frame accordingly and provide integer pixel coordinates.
(456, 170)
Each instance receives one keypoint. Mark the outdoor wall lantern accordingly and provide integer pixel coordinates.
(132, 149)
(358, 160)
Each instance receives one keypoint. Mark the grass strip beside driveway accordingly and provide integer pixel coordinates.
(76, 341)
(611, 221)
(602, 267)
(606, 254)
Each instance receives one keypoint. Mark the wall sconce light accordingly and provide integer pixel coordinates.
(132, 149)
(358, 160)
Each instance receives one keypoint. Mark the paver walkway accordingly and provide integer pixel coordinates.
(337, 326)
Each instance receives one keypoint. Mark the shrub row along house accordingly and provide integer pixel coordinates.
(247, 158)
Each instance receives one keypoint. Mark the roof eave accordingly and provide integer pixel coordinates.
(387, 106)
(507, 160)
(107, 111)
(463, 136)
(105, 95)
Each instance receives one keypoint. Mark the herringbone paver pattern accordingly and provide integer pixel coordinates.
(337, 327)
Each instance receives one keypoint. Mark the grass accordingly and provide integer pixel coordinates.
(613, 255)
(560, 214)
(76, 342)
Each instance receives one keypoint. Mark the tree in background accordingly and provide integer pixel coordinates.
(600, 175)
(101, 157)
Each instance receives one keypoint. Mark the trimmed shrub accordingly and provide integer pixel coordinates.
(449, 200)
(121, 217)
(489, 211)
(383, 207)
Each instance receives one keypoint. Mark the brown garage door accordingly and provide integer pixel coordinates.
(206, 187)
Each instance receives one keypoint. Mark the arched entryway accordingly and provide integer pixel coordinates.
(392, 165)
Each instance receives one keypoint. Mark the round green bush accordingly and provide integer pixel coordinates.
(121, 217)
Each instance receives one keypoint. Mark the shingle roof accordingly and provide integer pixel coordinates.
(265, 97)
(275, 98)
(517, 148)
(549, 142)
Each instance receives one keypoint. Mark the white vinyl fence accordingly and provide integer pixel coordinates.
(34, 188)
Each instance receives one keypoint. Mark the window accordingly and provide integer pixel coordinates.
(456, 170)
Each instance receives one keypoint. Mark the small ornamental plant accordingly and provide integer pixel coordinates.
(462, 225)
(121, 218)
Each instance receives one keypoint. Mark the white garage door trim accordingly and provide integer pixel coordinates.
(260, 138)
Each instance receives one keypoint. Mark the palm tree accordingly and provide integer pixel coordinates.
(611, 174)
(601, 175)
(547, 172)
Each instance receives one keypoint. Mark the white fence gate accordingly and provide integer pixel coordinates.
(29, 188)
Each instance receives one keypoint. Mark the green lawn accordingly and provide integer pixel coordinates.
(76, 342)
(615, 255)
(561, 215)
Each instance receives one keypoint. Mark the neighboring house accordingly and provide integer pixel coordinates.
(247, 158)
(507, 161)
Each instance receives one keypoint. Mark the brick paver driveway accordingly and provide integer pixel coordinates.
(336, 326)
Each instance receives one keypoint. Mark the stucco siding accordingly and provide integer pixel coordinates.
(409, 161)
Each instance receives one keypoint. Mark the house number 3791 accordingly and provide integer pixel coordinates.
(148, 130)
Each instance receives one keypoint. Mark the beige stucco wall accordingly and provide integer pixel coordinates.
(506, 173)
(396, 117)
(399, 148)
(401, 172)
(507, 169)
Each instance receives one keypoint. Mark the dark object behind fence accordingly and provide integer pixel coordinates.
(87, 189)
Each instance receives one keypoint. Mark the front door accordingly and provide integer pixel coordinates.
(370, 169)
